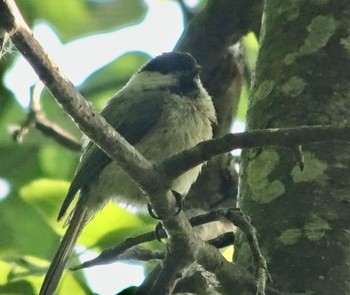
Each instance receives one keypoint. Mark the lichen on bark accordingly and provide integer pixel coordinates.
(302, 78)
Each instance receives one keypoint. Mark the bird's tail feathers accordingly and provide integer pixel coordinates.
(54, 273)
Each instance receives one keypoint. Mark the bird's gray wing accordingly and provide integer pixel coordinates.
(132, 118)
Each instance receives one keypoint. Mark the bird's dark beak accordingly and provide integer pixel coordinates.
(197, 70)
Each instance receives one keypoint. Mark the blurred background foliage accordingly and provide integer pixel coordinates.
(35, 175)
(73, 19)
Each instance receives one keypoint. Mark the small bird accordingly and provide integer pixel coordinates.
(162, 110)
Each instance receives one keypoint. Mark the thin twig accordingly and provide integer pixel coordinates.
(115, 253)
(19, 132)
(238, 218)
(111, 254)
(299, 156)
(140, 254)
(71, 100)
(36, 118)
(55, 132)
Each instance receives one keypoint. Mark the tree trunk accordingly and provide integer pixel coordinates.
(302, 217)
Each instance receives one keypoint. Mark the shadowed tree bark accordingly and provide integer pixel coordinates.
(302, 217)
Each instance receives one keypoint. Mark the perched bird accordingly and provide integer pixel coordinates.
(162, 110)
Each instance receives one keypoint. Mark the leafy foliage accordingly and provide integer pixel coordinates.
(38, 171)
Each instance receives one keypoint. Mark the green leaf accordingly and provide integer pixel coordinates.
(105, 82)
(113, 222)
(251, 48)
(24, 231)
(73, 283)
(10, 114)
(45, 194)
(56, 161)
(243, 102)
(56, 115)
(17, 287)
(19, 163)
(87, 16)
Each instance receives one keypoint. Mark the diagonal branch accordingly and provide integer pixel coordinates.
(183, 244)
(36, 117)
(153, 181)
(70, 99)
(114, 253)
(111, 254)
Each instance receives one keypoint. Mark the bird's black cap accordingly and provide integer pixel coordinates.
(171, 62)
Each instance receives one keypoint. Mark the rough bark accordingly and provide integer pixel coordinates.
(302, 78)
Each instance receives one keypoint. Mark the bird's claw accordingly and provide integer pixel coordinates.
(179, 203)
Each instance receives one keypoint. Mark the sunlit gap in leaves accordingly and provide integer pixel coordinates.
(4, 188)
(237, 126)
(78, 59)
(192, 3)
(111, 278)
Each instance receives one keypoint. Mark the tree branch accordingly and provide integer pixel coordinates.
(184, 246)
(113, 254)
(284, 137)
(225, 23)
(181, 239)
(55, 132)
(70, 99)
(36, 117)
